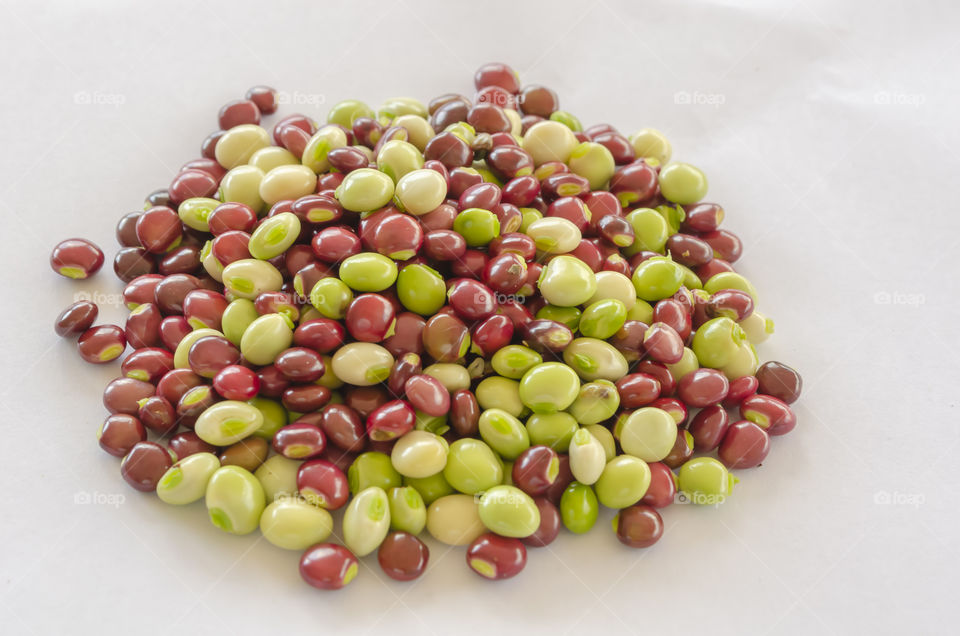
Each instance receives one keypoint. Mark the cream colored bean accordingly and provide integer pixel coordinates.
(757, 327)
(249, 277)
(686, 364)
(502, 393)
(744, 362)
(234, 500)
(195, 211)
(516, 122)
(366, 521)
(362, 363)
(238, 144)
(278, 476)
(186, 481)
(587, 457)
(287, 182)
(419, 454)
(397, 158)
(651, 144)
(293, 524)
(228, 422)
(419, 130)
(454, 520)
(554, 235)
(266, 337)
(593, 162)
(605, 437)
(616, 286)
(453, 377)
(323, 141)
(271, 157)
(595, 359)
(399, 106)
(648, 433)
(242, 185)
(420, 191)
(549, 141)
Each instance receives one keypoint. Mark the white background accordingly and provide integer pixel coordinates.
(828, 131)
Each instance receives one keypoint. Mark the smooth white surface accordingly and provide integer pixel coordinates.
(828, 130)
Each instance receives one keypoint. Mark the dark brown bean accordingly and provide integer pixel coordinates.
(549, 526)
(538, 100)
(188, 443)
(730, 303)
(193, 403)
(564, 479)
(446, 338)
(780, 381)
(535, 470)
(210, 354)
(726, 245)
(132, 262)
(101, 344)
(175, 383)
(343, 427)
(708, 428)
(171, 291)
(402, 556)
(637, 389)
(299, 441)
(639, 526)
(144, 465)
(191, 183)
(120, 433)
(159, 229)
(674, 314)
(248, 454)
(702, 217)
(157, 414)
(148, 364)
(126, 231)
(629, 339)
(547, 337)
(305, 398)
(76, 319)
(495, 557)
(682, 450)
(464, 413)
(143, 326)
(448, 149)
(689, 250)
(663, 486)
(300, 364)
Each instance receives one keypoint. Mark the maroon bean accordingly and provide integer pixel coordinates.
(601, 204)
(616, 229)
(291, 137)
(240, 111)
(547, 337)
(658, 370)
(495, 557)
(140, 290)
(264, 97)
(188, 443)
(232, 216)
(427, 394)
(497, 74)
(509, 162)
(564, 479)
(538, 100)
(519, 315)
(682, 450)
(637, 389)
(780, 381)
(529, 287)
(398, 236)
(392, 133)
(120, 433)
(461, 180)
(629, 340)
(101, 344)
(148, 365)
(305, 398)
(464, 413)
(446, 98)
(76, 319)
(175, 383)
(663, 344)
(471, 299)
(210, 354)
(133, 262)
(708, 270)
(730, 303)
(323, 484)
(144, 465)
(535, 470)
(328, 566)
(76, 258)
(367, 131)
(300, 364)
(589, 253)
(248, 454)
(673, 406)
(343, 427)
(143, 326)
(570, 208)
(663, 486)
(513, 243)
(740, 389)
(549, 527)
(703, 387)
(492, 334)
(470, 265)
(159, 229)
(321, 334)
(370, 318)
(203, 309)
(236, 382)
(702, 217)
(405, 367)
(180, 260)
(157, 414)
(193, 403)
(446, 338)
(726, 245)
(481, 195)
(299, 441)
(171, 291)
(618, 145)
(634, 183)
(769, 413)
(391, 420)
(508, 216)
(366, 399)
(744, 445)
(231, 246)
(496, 95)
(674, 314)
(402, 556)
(447, 148)
(521, 190)
(307, 277)
(277, 302)
(191, 183)
(638, 526)
(708, 427)
(126, 231)
(505, 273)
(689, 250)
(208, 147)
(173, 329)
(444, 245)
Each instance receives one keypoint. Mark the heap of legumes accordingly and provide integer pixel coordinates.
(471, 317)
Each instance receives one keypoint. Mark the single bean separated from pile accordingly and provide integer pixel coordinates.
(472, 317)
